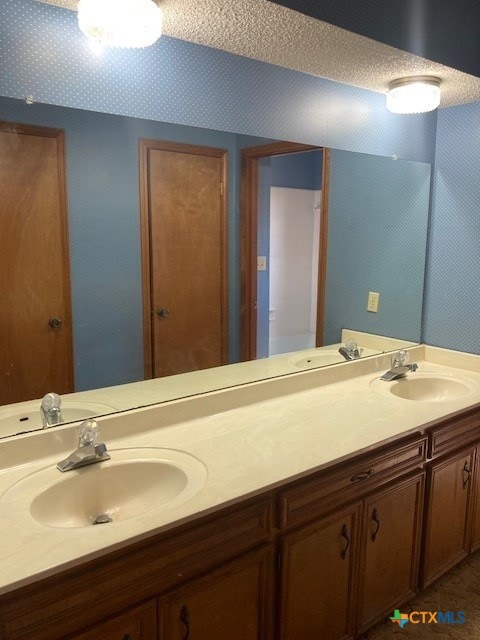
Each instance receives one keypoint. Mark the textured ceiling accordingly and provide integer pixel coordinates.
(265, 31)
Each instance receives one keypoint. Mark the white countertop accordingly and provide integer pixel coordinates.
(250, 438)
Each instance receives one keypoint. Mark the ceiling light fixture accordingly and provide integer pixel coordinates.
(417, 94)
(120, 23)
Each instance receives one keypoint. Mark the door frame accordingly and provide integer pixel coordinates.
(249, 243)
(145, 144)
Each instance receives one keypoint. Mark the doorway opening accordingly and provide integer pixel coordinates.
(285, 225)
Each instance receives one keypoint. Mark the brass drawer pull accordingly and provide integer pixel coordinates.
(362, 476)
(185, 620)
(344, 534)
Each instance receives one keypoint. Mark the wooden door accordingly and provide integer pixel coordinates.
(35, 356)
(446, 531)
(184, 257)
(391, 549)
(318, 578)
(235, 603)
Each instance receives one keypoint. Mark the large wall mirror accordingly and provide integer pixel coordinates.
(376, 242)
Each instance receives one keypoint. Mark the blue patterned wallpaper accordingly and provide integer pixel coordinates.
(377, 236)
(452, 293)
(44, 54)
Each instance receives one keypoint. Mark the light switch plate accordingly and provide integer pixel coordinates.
(261, 263)
(373, 300)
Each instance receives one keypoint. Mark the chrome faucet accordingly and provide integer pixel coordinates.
(88, 451)
(400, 366)
(350, 351)
(50, 409)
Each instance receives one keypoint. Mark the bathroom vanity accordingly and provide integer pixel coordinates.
(314, 504)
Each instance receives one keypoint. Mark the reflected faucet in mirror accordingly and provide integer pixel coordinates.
(51, 410)
(350, 350)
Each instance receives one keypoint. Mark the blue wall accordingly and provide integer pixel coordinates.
(452, 293)
(378, 217)
(44, 54)
(297, 170)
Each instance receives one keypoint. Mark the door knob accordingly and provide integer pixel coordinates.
(163, 313)
(55, 323)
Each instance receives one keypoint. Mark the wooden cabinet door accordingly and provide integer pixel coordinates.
(234, 602)
(318, 578)
(446, 531)
(475, 507)
(391, 551)
(138, 623)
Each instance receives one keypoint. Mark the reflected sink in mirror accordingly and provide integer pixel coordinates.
(132, 483)
(426, 387)
(321, 357)
(26, 417)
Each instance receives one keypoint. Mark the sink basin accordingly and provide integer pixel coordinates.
(27, 417)
(133, 482)
(321, 357)
(426, 387)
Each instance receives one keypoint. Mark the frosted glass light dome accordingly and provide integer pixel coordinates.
(414, 95)
(121, 23)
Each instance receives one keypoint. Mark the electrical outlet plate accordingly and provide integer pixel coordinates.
(373, 300)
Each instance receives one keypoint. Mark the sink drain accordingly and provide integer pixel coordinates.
(103, 518)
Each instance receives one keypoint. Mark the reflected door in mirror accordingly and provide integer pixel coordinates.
(35, 319)
(186, 256)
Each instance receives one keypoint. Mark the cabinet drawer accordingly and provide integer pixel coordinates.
(454, 433)
(307, 499)
(138, 623)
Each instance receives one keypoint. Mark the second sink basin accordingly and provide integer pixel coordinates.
(132, 483)
(320, 357)
(27, 417)
(426, 387)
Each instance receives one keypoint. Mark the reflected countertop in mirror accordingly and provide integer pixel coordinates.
(25, 416)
